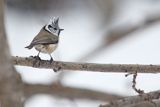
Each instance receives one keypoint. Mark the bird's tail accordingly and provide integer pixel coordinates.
(29, 47)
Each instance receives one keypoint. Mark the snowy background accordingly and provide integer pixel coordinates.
(86, 23)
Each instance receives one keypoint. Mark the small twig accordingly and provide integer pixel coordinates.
(60, 91)
(139, 91)
(94, 67)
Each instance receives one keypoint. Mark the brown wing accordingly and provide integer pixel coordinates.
(43, 37)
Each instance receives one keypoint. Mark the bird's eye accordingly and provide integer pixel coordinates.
(49, 26)
(55, 28)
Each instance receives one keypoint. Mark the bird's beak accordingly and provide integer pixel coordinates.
(61, 29)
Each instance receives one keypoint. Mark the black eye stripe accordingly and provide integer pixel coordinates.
(52, 28)
(55, 28)
(49, 26)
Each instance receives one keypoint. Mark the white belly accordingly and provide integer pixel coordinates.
(46, 48)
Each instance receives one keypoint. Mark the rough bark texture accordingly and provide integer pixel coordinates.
(117, 68)
(133, 100)
(10, 81)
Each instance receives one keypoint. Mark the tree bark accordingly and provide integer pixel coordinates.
(10, 81)
(93, 67)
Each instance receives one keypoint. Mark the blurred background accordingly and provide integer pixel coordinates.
(97, 31)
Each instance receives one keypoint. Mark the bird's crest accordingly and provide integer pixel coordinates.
(53, 26)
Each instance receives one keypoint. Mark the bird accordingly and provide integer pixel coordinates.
(46, 41)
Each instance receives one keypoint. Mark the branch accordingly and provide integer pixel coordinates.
(124, 30)
(58, 90)
(118, 68)
(134, 99)
(118, 33)
(154, 103)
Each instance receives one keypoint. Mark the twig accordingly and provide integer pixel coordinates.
(118, 33)
(123, 31)
(119, 68)
(60, 91)
(139, 91)
(133, 99)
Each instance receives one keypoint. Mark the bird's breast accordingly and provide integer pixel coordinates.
(46, 48)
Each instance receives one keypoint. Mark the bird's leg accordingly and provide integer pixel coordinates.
(51, 60)
(37, 58)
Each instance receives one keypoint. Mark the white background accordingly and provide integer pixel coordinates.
(83, 31)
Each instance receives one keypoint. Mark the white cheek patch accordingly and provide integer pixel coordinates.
(51, 31)
(46, 28)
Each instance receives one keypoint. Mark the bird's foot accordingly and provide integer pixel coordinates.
(51, 60)
(36, 61)
(37, 58)
(31, 56)
(56, 69)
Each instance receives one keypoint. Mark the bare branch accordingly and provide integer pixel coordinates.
(134, 99)
(118, 68)
(156, 103)
(124, 30)
(118, 33)
(58, 90)
(139, 91)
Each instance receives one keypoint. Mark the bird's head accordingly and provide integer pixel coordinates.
(53, 26)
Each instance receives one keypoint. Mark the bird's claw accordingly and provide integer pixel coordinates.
(56, 69)
(31, 56)
(37, 57)
(51, 60)
(37, 60)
